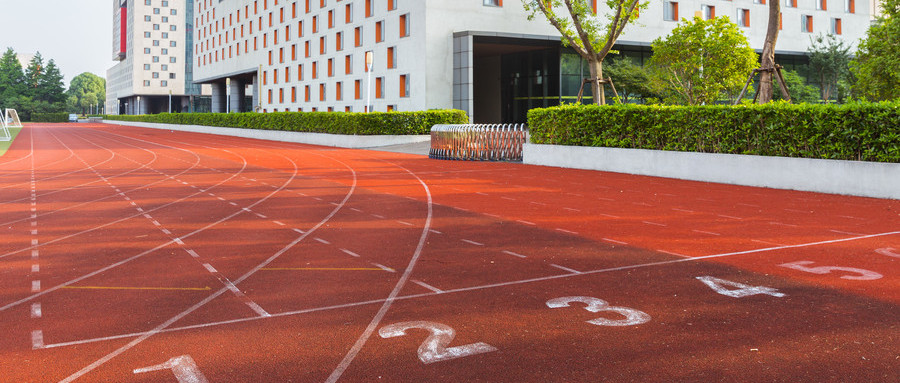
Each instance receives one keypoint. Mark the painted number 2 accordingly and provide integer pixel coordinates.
(740, 290)
(864, 275)
(434, 349)
(595, 305)
(183, 367)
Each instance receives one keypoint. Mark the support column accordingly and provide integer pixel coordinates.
(236, 89)
(255, 87)
(218, 97)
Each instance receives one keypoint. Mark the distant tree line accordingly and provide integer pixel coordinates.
(40, 88)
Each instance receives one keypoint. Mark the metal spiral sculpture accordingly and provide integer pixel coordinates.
(479, 142)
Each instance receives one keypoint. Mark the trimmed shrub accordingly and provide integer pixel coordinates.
(49, 117)
(390, 123)
(858, 131)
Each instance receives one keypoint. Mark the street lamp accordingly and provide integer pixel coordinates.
(370, 58)
(138, 105)
(170, 101)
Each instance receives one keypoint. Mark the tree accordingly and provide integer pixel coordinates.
(800, 91)
(877, 63)
(85, 84)
(632, 80)
(590, 35)
(51, 87)
(12, 79)
(33, 74)
(702, 60)
(830, 59)
(767, 63)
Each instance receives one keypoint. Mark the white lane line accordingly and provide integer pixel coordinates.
(279, 223)
(513, 254)
(220, 198)
(261, 215)
(34, 242)
(571, 209)
(567, 231)
(472, 242)
(378, 216)
(705, 232)
(798, 211)
(383, 267)
(34, 253)
(851, 217)
(257, 308)
(405, 223)
(493, 215)
(193, 253)
(610, 215)
(654, 223)
(34, 232)
(356, 210)
(36, 310)
(508, 198)
(155, 222)
(614, 241)
(435, 231)
(782, 224)
(605, 199)
(35, 268)
(166, 231)
(350, 253)
(538, 203)
(320, 240)
(37, 339)
(683, 210)
(300, 231)
(526, 222)
(427, 286)
(480, 193)
(35, 286)
(140, 210)
(673, 253)
(179, 241)
(747, 204)
(844, 232)
(729, 217)
(147, 216)
(573, 271)
(232, 204)
(210, 268)
(642, 204)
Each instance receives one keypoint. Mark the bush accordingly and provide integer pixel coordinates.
(49, 117)
(858, 131)
(390, 123)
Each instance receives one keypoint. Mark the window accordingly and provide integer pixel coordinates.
(165, 19)
(172, 44)
(330, 19)
(339, 41)
(348, 64)
(146, 51)
(339, 91)
(379, 87)
(164, 83)
(321, 92)
(165, 35)
(763, 2)
(709, 12)
(743, 17)
(146, 2)
(147, 83)
(165, 3)
(836, 26)
(155, 74)
(147, 18)
(404, 25)
(357, 89)
(391, 52)
(306, 93)
(155, 43)
(146, 66)
(330, 67)
(165, 51)
(156, 59)
(368, 8)
(173, 12)
(670, 11)
(155, 27)
(164, 67)
(379, 36)
(147, 34)
(404, 85)
(348, 14)
(293, 94)
(173, 28)
(489, 3)
(315, 70)
(155, 11)
(850, 6)
(822, 5)
(172, 60)
(171, 75)
(806, 23)
(357, 35)
(315, 26)
(322, 45)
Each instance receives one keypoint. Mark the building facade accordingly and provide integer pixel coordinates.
(152, 42)
(481, 56)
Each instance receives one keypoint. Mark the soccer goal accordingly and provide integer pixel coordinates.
(12, 119)
(4, 131)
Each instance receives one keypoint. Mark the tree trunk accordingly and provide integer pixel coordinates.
(768, 54)
(597, 89)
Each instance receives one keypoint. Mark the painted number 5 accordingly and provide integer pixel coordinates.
(595, 305)
(183, 367)
(434, 349)
(864, 275)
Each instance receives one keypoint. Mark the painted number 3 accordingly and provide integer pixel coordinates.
(435, 349)
(595, 305)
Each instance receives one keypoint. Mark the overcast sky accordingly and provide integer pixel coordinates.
(77, 34)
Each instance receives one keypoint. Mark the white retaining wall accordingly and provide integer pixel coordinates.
(866, 179)
(324, 139)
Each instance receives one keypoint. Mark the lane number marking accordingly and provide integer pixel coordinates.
(739, 290)
(864, 275)
(889, 252)
(183, 367)
(595, 305)
(434, 348)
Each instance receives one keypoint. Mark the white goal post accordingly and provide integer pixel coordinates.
(4, 131)
(12, 119)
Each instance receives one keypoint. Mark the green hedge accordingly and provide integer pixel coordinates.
(858, 131)
(390, 123)
(49, 117)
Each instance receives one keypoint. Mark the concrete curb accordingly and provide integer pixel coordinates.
(323, 139)
(857, 178)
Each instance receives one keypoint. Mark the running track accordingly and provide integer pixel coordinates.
(135, 255)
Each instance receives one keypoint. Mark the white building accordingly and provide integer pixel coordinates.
(482, 56)
(152, 41)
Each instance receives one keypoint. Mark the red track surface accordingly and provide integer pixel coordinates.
(230, 259)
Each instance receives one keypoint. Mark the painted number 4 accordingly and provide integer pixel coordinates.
(864, 275)
(435, 349)
(183, 367)
(739, 290)
(595, 305)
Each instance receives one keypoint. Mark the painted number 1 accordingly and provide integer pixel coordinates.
(435, 349)
(863, 274)
(595, 305)
(183, 367)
